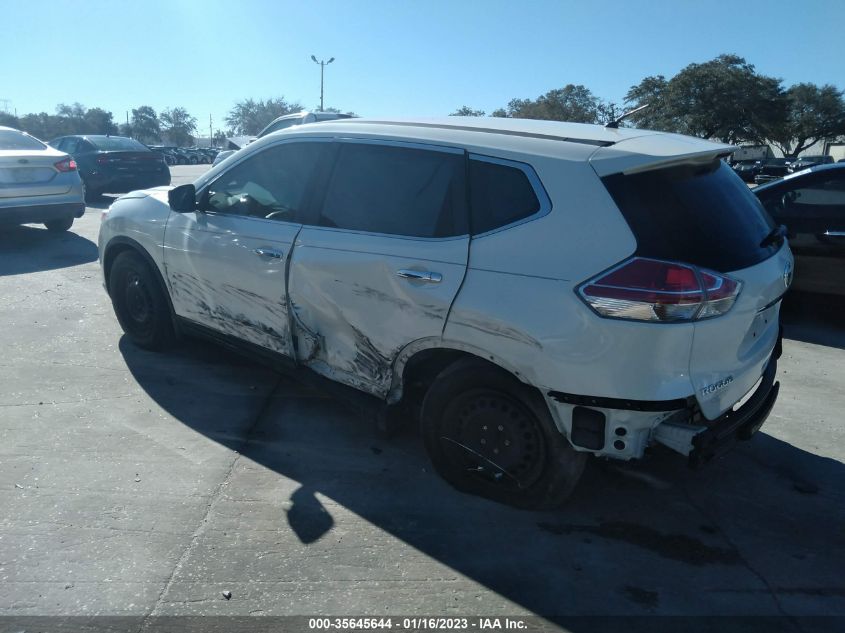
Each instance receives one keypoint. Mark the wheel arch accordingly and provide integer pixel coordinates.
(425, 358)
(121, 244)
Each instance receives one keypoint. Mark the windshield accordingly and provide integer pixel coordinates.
(14, 140)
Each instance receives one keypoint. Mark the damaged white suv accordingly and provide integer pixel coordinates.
(533, 291)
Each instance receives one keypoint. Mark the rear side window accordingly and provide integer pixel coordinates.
(813, 196)
(501, 194)
(702, 215)
(397, 191)
(14, 140)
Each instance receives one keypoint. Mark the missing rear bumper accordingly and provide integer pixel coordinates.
(741, 424)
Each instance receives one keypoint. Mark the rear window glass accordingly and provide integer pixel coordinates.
(118, 143)
(500, 194)
(14, 140)
(702, 215)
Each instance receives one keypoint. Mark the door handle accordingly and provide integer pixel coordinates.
(268, 252)
(417, 275)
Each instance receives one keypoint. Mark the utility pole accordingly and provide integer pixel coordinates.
(323, 65)
(5, 103)
(210, 133)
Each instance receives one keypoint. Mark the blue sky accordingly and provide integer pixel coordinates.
(392, 58)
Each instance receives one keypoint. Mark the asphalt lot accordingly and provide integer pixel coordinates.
(142, 484)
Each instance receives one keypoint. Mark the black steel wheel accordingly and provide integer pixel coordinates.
(139, 302)
(491, 435)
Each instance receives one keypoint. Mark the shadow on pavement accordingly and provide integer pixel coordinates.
(814, 318)
(27, 249)
(652, 539)
(101, 202)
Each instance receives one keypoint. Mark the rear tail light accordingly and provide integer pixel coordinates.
(643, 289)
(68, 164)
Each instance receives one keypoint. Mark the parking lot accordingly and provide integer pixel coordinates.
(142, 484)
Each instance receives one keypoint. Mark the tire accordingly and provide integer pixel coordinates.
(92, 195)
(474, 414)
(59, 226)
(139, 302)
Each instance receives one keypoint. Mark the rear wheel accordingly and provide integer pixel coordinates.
(140, 303)
(489, 434)
(59, 226)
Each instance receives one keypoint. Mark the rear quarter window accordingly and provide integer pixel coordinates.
(501, 193)
(702, 215)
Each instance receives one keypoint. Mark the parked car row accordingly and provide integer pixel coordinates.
(186, 155)
(766, 170)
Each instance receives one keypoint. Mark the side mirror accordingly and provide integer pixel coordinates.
(183, 199)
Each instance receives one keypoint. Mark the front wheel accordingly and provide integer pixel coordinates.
(488, 434)
(59, 226)
(140, 303)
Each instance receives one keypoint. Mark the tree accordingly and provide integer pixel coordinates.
(339, 111)
(179, 126)
(813, 114)
(249, 117)
(99, 121)
(723, 99)
(467, 111)
(571, 103)
(77, 119)
(652, 92)
(44, 126)
(219, 139)
(9, 120)
(145, 125)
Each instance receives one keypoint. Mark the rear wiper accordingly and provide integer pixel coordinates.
(775, 236)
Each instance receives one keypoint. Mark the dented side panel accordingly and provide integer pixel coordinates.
(352, 313)
(218, 277)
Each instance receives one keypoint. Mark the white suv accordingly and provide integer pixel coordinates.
(533, 291)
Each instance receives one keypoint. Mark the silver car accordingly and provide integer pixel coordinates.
(38, 184)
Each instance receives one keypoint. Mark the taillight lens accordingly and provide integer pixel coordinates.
(68, 164)
(644, 289)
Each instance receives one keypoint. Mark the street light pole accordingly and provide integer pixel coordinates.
(323, 65)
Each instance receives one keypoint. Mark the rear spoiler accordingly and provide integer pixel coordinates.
(655, 151)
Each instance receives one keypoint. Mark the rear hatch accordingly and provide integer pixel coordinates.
(692, 208)
(27, 167)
